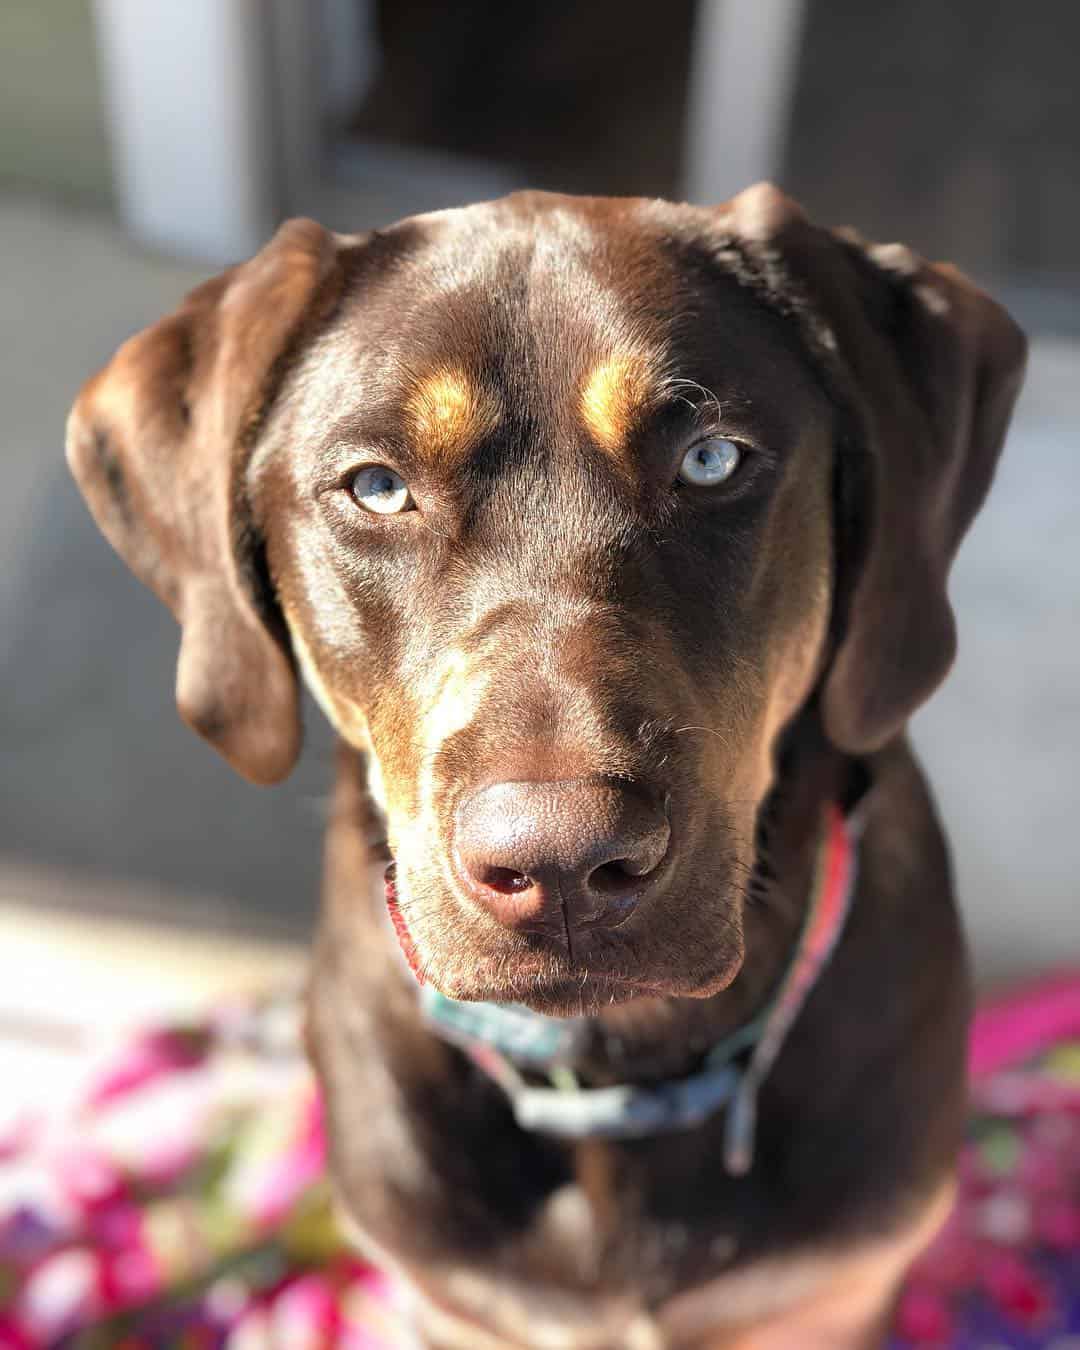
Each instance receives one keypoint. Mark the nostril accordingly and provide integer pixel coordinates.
(613, 878)
(504, 880)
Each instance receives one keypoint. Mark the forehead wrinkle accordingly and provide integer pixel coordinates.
(449, 413)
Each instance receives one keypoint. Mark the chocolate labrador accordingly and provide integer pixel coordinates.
(612, 536)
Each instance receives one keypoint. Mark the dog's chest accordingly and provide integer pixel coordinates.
(578, 1277)
(813, 1296)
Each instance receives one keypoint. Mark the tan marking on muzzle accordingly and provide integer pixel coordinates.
(450, 414)
(454, 700)
(614, 395)
(449, 700)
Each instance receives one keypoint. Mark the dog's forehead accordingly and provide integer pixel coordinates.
(580, 311)
(551, 239)
(566, 275)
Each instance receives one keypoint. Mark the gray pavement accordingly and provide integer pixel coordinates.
(96, 771)
(98, 775)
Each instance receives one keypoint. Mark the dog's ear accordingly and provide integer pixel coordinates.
(158, 443)
(925, 369)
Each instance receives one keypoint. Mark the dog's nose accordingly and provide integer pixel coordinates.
(554, 857)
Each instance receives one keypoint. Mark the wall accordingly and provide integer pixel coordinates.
(52, 133)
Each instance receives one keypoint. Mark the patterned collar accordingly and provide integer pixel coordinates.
(503, 1039)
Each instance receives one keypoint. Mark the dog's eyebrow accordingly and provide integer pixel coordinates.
(614, 394)
(449, 413)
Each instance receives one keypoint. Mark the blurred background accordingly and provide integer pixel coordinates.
(143, 143)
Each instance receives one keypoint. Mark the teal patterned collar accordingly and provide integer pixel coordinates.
(505, 1039)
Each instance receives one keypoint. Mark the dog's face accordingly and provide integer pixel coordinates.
(548, 503)
(565, 508)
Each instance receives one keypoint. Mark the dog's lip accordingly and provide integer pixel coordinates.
(614, 917)
(401, 928)
(594, 980)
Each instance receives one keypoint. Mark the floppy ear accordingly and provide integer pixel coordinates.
(926, 369)
(158, 442)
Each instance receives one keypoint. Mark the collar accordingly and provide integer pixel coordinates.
(503, 1039)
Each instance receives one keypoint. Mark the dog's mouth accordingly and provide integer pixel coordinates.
(541, 976)
(401, 928)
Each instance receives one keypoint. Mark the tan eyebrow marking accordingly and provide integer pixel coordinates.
(450, 413)
(614, 394)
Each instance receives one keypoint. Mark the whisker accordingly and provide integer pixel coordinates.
(711, 731)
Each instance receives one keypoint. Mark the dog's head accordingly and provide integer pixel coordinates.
(565, 508)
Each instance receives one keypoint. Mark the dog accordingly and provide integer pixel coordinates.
(612, 536)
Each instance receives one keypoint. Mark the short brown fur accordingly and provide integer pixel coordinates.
(560, 611)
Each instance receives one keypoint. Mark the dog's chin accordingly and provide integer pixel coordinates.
(554, 987)
(591, 996)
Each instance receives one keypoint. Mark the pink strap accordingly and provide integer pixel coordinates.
(830, 900)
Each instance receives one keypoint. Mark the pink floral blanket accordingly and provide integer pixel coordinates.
(177, 1199)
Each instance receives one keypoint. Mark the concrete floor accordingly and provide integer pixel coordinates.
(98, 779)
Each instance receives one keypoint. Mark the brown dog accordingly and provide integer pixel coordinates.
(612, 536)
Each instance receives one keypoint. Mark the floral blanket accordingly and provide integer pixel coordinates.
(178, 1200)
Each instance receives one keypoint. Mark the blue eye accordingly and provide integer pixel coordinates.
(710, 461)
(379, 489)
